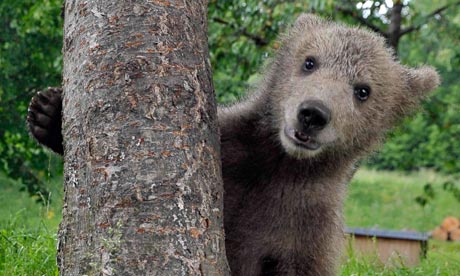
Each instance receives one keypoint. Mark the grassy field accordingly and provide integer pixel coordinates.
(376, 199)
(28, 230)
(386, 200)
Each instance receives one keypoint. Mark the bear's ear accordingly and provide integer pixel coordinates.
(422, 80)
(309, 20)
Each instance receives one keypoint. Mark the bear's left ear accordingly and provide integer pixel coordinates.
(422, 80)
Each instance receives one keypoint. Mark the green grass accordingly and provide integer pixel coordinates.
(386, 200)
(376, 199)
(28, 231)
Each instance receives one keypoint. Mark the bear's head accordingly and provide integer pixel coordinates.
(339, 89)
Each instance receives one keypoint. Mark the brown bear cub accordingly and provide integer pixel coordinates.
(290, 148)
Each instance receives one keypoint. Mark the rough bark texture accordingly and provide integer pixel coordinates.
(143, 189)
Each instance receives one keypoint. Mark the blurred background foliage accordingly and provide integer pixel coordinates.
(242, 37)
(30, 59)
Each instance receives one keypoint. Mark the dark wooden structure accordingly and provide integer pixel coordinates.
(391, 247)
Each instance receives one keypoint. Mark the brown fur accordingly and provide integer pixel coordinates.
(283, 203)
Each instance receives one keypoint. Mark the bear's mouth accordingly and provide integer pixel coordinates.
(301, 139)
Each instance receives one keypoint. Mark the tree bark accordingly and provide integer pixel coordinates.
(394, 28)
(143, 185)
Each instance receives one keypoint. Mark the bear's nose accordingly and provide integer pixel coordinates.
(313, 115)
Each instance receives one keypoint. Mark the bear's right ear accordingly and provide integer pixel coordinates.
(422, 80)
(308, 20)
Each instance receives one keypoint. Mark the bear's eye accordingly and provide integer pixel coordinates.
(362, 92)
(310, 64)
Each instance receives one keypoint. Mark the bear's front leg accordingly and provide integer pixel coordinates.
(44, 118)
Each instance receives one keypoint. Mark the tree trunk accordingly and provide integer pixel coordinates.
(394, 28)
(143, 188)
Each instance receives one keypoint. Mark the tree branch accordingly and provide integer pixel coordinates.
(258, 40)
(428, 17)
(361, 20)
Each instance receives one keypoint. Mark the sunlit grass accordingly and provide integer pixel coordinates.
(386, 200)
(28, 231)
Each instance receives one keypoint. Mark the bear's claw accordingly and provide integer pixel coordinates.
(44, 118)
